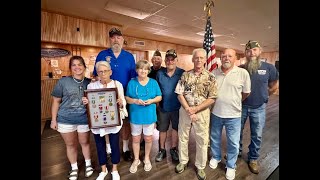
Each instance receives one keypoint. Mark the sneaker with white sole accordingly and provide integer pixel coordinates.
(102, 175)
(213, 163)
(230, 174)
(115, 175)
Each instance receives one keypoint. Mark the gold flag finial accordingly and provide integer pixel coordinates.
(207, 7)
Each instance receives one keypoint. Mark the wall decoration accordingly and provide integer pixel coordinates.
(54, 63)
(54, 52)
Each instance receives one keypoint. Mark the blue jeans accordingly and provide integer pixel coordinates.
(232, 126)
(257, 118)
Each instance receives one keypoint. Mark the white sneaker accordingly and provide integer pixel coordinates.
(115, 175)
(213, 163)
(230, 174)
(102, 175)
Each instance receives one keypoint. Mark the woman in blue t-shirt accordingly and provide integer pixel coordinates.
(69, 115)
(142, 95)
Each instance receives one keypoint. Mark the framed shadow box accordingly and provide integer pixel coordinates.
(103, 110)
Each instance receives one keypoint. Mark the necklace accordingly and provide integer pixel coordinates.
(80, 86)
(77, 81)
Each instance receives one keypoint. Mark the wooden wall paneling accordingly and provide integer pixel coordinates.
(270, 56)
(148, 44)
(185, 61)
(51, 27)
(57, 28)
(140, 55)
(184, 49)
(164, 46)
(46, 99)
(45, 26)
(99, 35)
(67, 30)
(89, 55)
(85, 33)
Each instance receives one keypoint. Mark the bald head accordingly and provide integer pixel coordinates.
(228, 58)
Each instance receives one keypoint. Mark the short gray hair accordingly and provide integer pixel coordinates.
(103, 63)
(199, 49)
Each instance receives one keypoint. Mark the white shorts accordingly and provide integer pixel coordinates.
(137, 129)
(66, 128)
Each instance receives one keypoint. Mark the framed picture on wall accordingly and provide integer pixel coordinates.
(103, 110)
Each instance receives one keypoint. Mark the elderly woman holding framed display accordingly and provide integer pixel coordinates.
(104, 106)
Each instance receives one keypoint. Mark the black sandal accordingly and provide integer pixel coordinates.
(73, 173)
(88, 170)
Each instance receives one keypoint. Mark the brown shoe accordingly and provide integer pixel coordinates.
(253, 166)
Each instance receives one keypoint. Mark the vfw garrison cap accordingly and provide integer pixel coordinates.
(252, 44)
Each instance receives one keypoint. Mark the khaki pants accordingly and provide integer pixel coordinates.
(201, 130)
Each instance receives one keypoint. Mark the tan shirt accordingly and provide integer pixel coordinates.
(196, 89)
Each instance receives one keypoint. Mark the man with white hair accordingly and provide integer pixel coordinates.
(197, 91)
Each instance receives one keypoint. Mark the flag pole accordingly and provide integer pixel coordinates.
(207, 9)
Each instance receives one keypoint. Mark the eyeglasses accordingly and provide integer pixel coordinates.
(142, 92)
(103, 72)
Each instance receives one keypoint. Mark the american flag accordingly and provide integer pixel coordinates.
(208, 45)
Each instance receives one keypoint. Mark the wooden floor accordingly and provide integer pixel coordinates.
(55, 165)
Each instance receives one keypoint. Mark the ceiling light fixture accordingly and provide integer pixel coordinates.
(117, 8)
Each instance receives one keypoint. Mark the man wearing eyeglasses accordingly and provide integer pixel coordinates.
(169, 106)
(123, 69)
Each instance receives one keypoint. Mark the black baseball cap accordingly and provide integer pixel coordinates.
(171, 52)
(114, 31)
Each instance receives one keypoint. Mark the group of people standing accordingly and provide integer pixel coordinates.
(156, 97)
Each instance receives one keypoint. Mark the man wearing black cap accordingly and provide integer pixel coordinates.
(264, 78)
(156, 64)
(169, 105)
(123, 69)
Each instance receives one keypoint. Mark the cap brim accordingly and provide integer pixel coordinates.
(171, 55)
(117, 33)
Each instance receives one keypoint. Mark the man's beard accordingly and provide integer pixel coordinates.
(226, 65)
(116, 47)
(253, 64)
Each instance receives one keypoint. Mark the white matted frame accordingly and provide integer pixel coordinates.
(103, 110)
